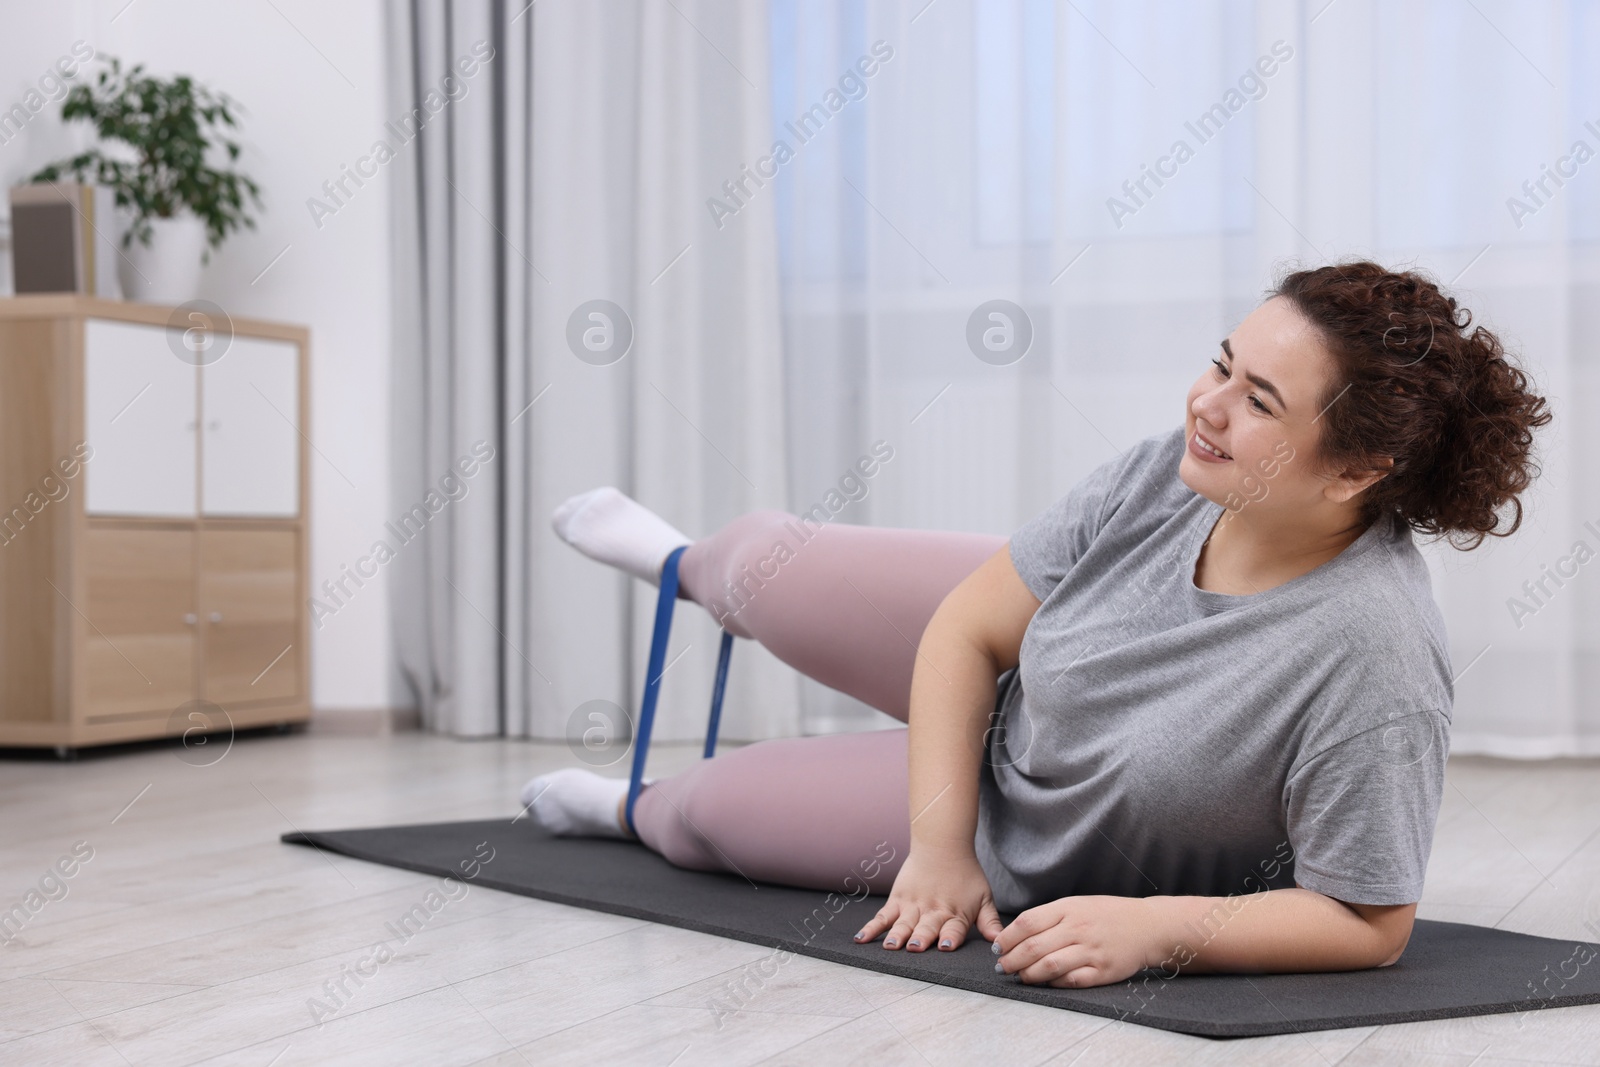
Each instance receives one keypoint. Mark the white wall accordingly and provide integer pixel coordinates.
(311, 79)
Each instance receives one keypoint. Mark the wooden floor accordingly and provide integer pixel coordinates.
(193, 936)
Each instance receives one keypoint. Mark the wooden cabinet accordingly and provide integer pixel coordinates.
(153, 527)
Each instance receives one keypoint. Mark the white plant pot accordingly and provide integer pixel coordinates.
(168, 270)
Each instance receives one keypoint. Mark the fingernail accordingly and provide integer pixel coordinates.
(994, 946)
(945, 943)
(913, 944)
(998, 969)
(889, 943)
(860, 934)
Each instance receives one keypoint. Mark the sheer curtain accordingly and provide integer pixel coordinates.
(572, 167)
(1003, 150)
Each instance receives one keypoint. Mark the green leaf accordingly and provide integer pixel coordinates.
(169, 126)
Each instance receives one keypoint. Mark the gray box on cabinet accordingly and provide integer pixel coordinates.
(63, 240)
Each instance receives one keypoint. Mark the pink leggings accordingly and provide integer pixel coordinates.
(846, 607)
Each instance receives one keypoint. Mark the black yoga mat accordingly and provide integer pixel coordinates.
(1448, 970)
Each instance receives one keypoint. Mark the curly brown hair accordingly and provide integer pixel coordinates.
(1411, 383)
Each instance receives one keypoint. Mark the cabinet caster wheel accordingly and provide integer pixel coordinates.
(285, 727)
(63, 752)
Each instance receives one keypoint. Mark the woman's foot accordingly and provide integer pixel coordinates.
(607, 525)
(576, 803)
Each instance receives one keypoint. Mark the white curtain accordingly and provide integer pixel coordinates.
(979, 163)
(576, 169)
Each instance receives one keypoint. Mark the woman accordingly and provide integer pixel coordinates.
(1224, 690)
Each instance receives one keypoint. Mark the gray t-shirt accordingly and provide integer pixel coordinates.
(1158, 738)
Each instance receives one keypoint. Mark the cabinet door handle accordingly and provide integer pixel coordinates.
(216, 616)
(190, 618)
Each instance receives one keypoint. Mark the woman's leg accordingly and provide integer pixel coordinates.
(845, 605)
(818, 812)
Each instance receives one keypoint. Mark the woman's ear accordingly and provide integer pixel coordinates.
(1346, 485)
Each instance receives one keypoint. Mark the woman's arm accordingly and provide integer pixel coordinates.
(973, 636)
(1096, 940)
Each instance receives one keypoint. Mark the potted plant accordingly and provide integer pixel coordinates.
(181, 206)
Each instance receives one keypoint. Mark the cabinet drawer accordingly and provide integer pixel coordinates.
(249, 606)
(138, 627)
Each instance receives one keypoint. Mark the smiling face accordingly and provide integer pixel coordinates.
(1257, 405)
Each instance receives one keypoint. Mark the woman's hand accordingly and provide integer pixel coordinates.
(1079, 941)
(935, 895)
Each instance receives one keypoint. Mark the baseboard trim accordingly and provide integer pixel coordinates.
(364, 722)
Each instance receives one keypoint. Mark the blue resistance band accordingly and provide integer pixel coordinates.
(652, 682)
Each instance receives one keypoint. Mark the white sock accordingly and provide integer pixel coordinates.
(613, 528)
(576, 803)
